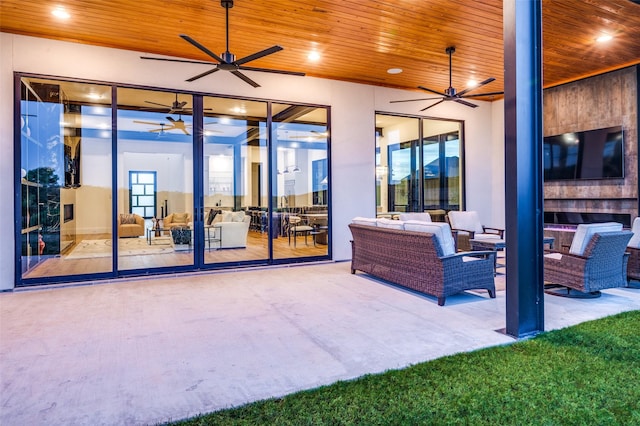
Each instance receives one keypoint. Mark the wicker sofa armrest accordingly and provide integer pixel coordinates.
(485, 254)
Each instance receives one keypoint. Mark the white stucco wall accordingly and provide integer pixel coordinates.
(353, 108)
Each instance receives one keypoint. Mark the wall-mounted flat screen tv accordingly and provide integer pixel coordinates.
(592, 154)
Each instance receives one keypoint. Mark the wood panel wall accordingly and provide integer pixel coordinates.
(605, 100)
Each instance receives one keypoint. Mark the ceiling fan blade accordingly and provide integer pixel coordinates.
(170, 119)
(413, 100)
(260, 54)
(155, 103)
(245, 78)
(484, 94)
(201, 47)
(463, 102)
(432, 105)
(204, 74)
(187, 61)
(146, 122)
(301, 74)
(185, 132)
(477, 86)
(432, 91)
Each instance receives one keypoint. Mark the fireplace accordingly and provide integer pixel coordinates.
(576, 218)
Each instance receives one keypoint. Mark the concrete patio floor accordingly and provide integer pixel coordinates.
(149, 351)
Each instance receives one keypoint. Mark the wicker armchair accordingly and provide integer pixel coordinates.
(468, 226)
(633, 268)
(416, 260)
(602, 265)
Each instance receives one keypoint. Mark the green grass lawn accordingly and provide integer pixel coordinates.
(588, 374)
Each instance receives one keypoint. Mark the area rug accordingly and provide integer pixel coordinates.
(87, 249)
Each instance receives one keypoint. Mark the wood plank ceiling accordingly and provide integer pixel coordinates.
(358, 40)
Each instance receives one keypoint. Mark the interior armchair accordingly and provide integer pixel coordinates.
(467, 225)
(130, 225)
(597, 260)
(175, 219)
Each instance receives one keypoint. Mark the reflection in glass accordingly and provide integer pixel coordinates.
(235, 181)
(65, 178)
(400, 154)
(301, 142)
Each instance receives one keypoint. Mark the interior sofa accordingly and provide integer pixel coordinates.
(130, 225)
(232, 228)
(420, 256)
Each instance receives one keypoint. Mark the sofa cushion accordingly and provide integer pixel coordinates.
(441, 230)
(585, 231)
(424, 217)
(390, 224)
(635, 240)
(369, 221)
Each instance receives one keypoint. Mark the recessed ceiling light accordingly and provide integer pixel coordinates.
(313, 56)
(604, 38)
(60, 12)
(394, 70)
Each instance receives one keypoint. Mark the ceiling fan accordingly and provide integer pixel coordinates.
(176, 107)
(178, 124)
(451, 94)
(227, 61)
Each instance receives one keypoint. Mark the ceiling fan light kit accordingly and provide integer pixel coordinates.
(227, 61)
(451, 94)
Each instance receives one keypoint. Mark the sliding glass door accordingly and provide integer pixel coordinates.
(155, 179)
(128, 181)
(65, 179)
(235, 181)
(300, 188)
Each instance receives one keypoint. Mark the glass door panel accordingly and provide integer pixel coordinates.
(155, 179)
(65, 178)
(452, 168)
(442, 139)
(235, 181)
(301, 185)
(431, 175)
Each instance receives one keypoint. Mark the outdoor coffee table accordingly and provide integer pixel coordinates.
(479, 244)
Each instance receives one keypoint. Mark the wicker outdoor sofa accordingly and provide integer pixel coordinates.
(416, 260)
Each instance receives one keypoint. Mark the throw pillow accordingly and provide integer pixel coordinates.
(227, 216)
(127, 219)
(212, 215)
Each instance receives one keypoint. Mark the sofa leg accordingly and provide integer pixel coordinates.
(353, 271)
(492, 294)
(441, 301)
